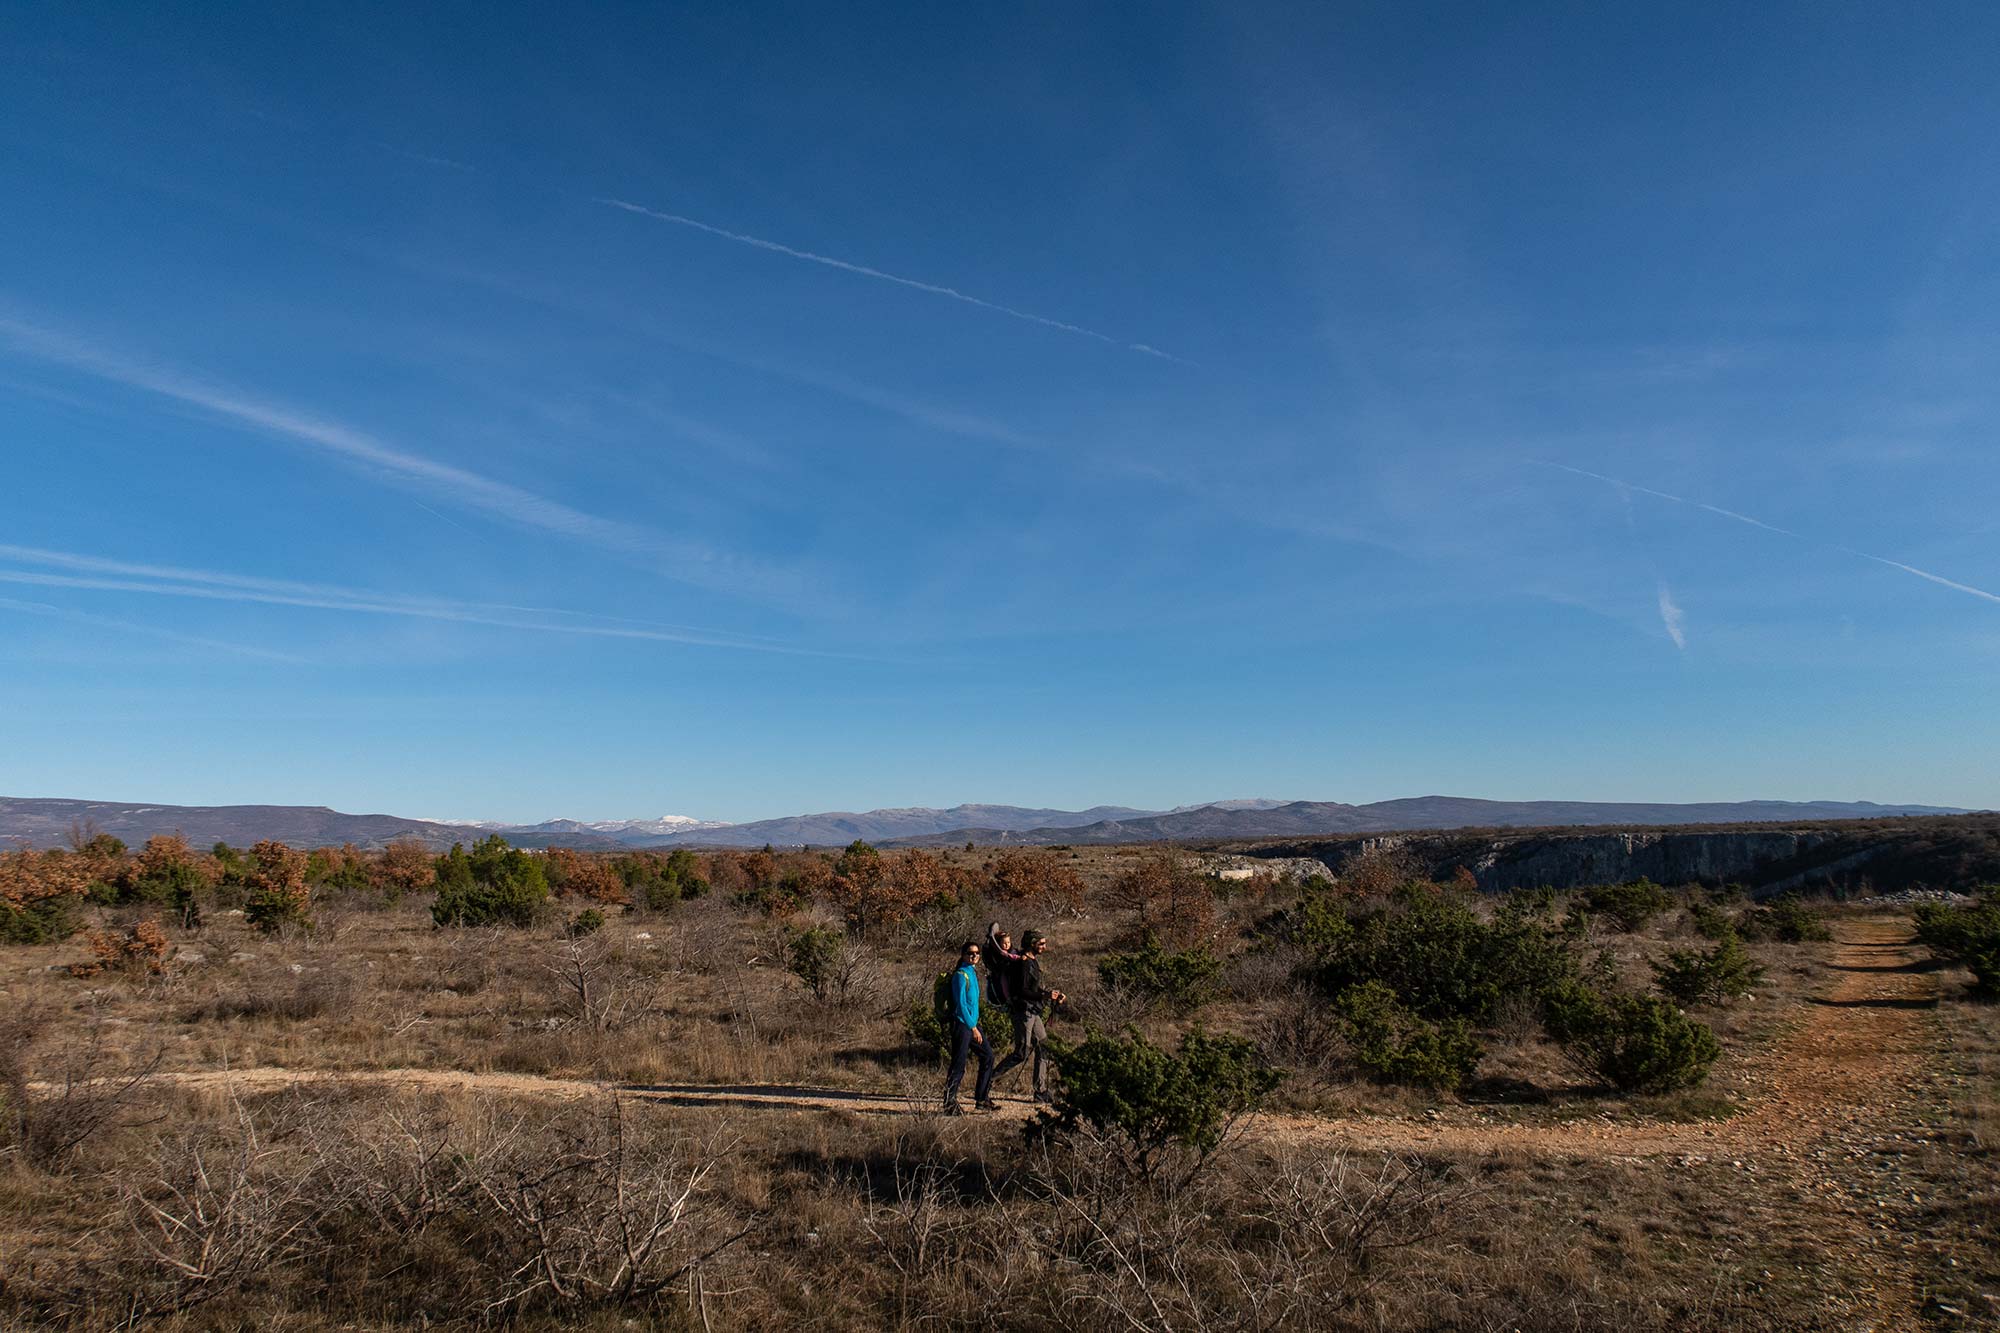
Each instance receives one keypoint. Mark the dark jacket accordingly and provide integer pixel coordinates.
(1030, 994)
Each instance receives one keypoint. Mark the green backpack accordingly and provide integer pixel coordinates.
(943, 1003)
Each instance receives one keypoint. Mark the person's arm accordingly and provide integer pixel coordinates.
(968, 998)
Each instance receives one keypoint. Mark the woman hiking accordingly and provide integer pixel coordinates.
(966, 1038)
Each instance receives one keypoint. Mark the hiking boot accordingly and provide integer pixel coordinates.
(1045, 1099)
(988, 1105)
(953, 1109)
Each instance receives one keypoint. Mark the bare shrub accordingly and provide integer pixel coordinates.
(1265, 973)
(700, 938)
(219, 1212)
(1379, 871)
(1169, 896)
(941, 928)
(592, 985)
(47, 1119)
(1322, 1224)
(589, 1213)
(1304, 1035)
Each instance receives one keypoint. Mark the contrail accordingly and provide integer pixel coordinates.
(863, 270)
(127, 627)
(98, 574)
(684, 561)
(1940, 579)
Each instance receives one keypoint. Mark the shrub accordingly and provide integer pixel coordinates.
(1035, 877)
(1169, 895)
(1183, 979)
(39, 895)
(814, 956)
(573, 874)
(41, 921)
(1440, 960)
(279, 896)
(404, 867)
(658, 881)
(1396, 1046)
(140, 952)
(1691, 976)
(1788, 920)
(1630, 905)
(1712, 922)
(872, 890)
(1152, 1102)
(1968, 936)
(337, 868)
(1635, 1043)
(494, 885)
(587, 922)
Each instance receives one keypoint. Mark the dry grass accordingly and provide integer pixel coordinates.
(384, 1209)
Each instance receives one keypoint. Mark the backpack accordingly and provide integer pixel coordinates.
(944, 1004)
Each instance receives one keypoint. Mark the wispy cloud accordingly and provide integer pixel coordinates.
(881, 275)
(1672, 617)
(152, 631)
(436, 481)
(1734, 516)
(97, 573)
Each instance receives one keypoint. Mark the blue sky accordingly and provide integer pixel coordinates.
(605, 411)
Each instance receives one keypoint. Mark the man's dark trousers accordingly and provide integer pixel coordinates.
(962, 1045)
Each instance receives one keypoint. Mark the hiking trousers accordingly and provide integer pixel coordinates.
(1031, 1043)
(961, 1047)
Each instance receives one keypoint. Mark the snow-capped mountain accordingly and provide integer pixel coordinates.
(665, 824)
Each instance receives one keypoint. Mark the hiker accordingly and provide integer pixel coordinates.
(966, 1037)
(1003, 965)
(1027, 1000)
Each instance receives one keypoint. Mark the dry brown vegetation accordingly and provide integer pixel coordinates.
(655, 1124)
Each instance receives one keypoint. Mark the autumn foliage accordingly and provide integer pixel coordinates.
(1036, 877)
(279, 896)
(573, 875)
(140, 952)
(404, 867)
(871, 889)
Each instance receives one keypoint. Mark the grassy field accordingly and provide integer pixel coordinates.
(380, 1123)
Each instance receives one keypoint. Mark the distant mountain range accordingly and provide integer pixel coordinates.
(39, 822)
(1222, 823)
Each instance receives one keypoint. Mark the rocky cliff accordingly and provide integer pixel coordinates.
(1852, 856)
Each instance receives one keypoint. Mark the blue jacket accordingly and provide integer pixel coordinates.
(965, 995)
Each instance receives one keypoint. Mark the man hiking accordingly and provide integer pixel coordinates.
(966, 1037)
(1027, 1000)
